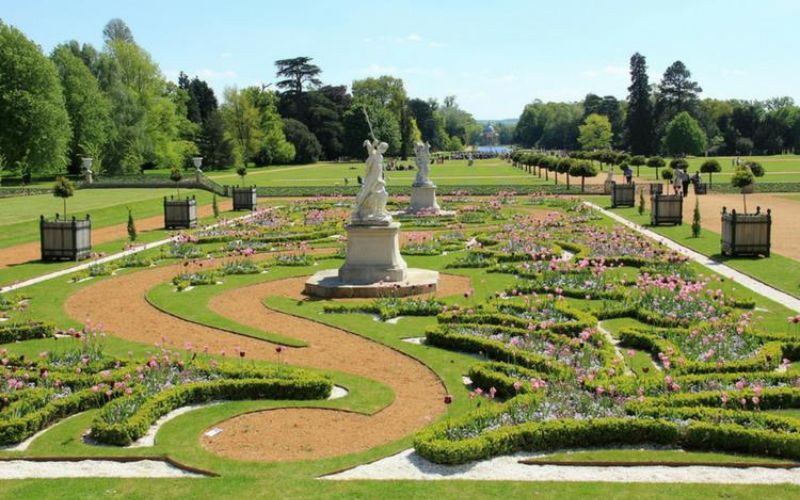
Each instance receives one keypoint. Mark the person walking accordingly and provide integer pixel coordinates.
(685, 182)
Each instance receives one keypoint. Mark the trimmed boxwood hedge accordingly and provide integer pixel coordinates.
(659, 425)
(15, 332)
(767, 357)
(124, 433)
(434, 445)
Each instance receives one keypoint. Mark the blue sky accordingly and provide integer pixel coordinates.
(495, 56)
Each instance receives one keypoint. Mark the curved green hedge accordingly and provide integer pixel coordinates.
(124, 433)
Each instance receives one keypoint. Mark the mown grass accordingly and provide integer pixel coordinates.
(19, 216)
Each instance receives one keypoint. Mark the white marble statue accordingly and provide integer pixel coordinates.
(422, 150)
(371, 200)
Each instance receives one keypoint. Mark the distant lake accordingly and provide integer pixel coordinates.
(495, 149)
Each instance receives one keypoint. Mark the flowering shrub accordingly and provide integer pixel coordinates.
(419, 244)
(241, 266)
(294, 259)
(391, 307)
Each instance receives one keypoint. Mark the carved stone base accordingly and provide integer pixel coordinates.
(423, 198)
(373, 255)
(328, 285)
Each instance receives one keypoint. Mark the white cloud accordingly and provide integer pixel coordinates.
(211, 74)
(413, 37)
(609, 70)
(377, 69)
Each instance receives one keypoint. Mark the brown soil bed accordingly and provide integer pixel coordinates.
(28, 252)
(119, 304)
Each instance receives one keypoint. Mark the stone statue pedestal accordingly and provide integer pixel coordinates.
(373, 267)
(373, 255)
(423, 198)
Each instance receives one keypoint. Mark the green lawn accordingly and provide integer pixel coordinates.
(107, 207)
(455, 172)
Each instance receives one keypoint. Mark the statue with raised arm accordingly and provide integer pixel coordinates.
(371, 200)
(422, 150)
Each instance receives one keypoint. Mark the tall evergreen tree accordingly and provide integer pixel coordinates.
(639, 124)
(676, 93)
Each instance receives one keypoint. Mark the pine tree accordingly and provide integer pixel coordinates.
(639, 123)
(696, 219)
(131, 226)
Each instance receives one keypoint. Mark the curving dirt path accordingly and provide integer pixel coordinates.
(28, 252)
(285, 434)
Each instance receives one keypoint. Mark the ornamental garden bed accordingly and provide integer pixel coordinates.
(180, 213)
(746, 234)
(65, 239)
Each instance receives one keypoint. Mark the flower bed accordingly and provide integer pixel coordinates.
(391, 307)
(131, 393)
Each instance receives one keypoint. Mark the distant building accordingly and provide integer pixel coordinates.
(489, 135)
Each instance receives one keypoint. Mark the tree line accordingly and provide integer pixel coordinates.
(113, 104)
(667, 118)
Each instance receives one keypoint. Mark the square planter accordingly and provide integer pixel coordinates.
(666, 209)
(623, 195)
(180, 214)
(245, 198)
(701, 188)
(746, 234)
(656, 188)
(65, 239)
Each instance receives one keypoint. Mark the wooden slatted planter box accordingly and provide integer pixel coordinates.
(666, 209)
(180, 213)
(746, 234)
(623, 195)
(245, 198)
(65, 239)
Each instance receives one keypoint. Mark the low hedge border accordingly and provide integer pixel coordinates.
(135, 426)
(492, 349)
(767, 357)
(499, 375)
(543, 436)
(305, 236)
(15, 332)
(580, 320)
(435, 445)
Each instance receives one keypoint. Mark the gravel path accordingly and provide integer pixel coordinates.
(408, 465)
(30, 469)
(282, 434)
